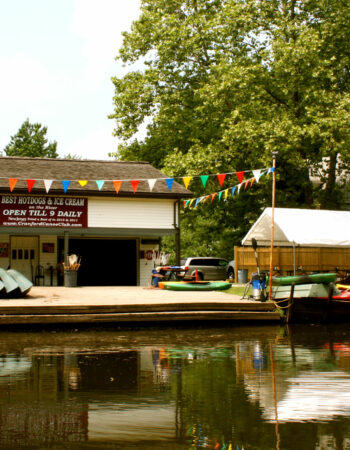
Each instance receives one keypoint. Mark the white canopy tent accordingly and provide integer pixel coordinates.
(301, 227)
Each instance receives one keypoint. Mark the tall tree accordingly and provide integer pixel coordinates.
(30, 140)
(226, 82)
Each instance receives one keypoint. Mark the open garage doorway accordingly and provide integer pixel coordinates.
(104, 262)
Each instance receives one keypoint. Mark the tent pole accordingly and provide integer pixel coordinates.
(294, 258)
(272, 219)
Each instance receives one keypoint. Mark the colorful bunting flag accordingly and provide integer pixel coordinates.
(186, 181)
(233, 190)
(246, 184)
(65, 184)
(151, 183)
(12, 183)
(213, 196)
(169, 182)
(240, 176)
(221, 178)
(191, 201)
(204, 179)
(226, 194)
(239, 187)
(257, 174)
(83, 182)
(134, 184)
(117, 184)
(252, 182)
(220, 194)
(47, 184)
(30, 184)
(100, 184)
(187, 202)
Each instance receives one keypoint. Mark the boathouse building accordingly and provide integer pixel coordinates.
(110, 213)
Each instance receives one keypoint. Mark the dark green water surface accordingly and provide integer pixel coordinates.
(215, 388)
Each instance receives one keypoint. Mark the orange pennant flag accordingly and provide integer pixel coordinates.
(213, 196)
(30, 184)
(221, 178)
(12, 183)
(251, 183)
(134, 184)
(246, 184)
(117, 185)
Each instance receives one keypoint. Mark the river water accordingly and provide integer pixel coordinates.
(256, 387)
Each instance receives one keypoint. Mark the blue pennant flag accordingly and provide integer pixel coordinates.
(100, 184)
(65, 184)
(169, 182)
(233, 190)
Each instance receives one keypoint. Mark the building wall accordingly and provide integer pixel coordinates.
(131, 213)
(124, 213)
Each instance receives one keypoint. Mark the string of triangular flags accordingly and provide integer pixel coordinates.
(194, 202)
(135, 182)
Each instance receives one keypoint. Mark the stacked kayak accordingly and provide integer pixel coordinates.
(13, 283)
(324, 278)
(195, 285)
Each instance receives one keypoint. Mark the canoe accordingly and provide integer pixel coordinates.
(343, 287)
(195, 285)
(9, 283)
(324, 278)
(23, 283)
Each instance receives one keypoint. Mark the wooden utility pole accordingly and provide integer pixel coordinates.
(274, 154)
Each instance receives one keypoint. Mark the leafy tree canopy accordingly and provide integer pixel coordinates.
(227, 82)
(30, 140)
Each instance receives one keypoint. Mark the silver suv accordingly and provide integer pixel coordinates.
(208, 268)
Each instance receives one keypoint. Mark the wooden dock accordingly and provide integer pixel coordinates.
(100, 305)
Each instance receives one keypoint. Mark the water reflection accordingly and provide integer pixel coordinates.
(225, 388)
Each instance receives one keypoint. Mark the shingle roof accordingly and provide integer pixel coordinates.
(91, 170)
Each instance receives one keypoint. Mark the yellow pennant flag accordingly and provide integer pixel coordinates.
(226, 193)
(186, 181)
(82, 183)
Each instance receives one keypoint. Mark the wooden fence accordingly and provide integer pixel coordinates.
(307, 259)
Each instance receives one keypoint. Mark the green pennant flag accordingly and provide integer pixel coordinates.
(220, 194)
(204, 179)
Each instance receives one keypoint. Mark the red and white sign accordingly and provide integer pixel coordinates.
(36, 211)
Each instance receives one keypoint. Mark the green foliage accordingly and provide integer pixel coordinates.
(31, 141)
(224, 84)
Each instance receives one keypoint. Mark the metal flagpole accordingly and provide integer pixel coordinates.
(274, 154)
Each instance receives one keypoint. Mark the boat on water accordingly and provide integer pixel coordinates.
(195, 285)
(311, 298)
(13, 284)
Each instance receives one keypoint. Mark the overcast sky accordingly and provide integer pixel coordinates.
(57, 58)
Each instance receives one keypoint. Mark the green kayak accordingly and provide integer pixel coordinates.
(195, 285)
(304, 279)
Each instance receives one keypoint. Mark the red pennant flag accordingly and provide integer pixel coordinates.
(246, 184)
(213, 196)
(117, 185)
(184, 203)
(12, 183)
(30, 184)
(240, 176)
(221, 178)
(134, 184)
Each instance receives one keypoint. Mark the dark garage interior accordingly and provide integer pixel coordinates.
(104, 262)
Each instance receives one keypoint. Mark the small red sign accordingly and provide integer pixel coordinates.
(36, 211)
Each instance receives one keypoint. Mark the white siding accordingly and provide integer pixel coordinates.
(146, 265)
(130, 213)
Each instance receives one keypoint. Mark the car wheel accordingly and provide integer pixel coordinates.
(231, 275)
